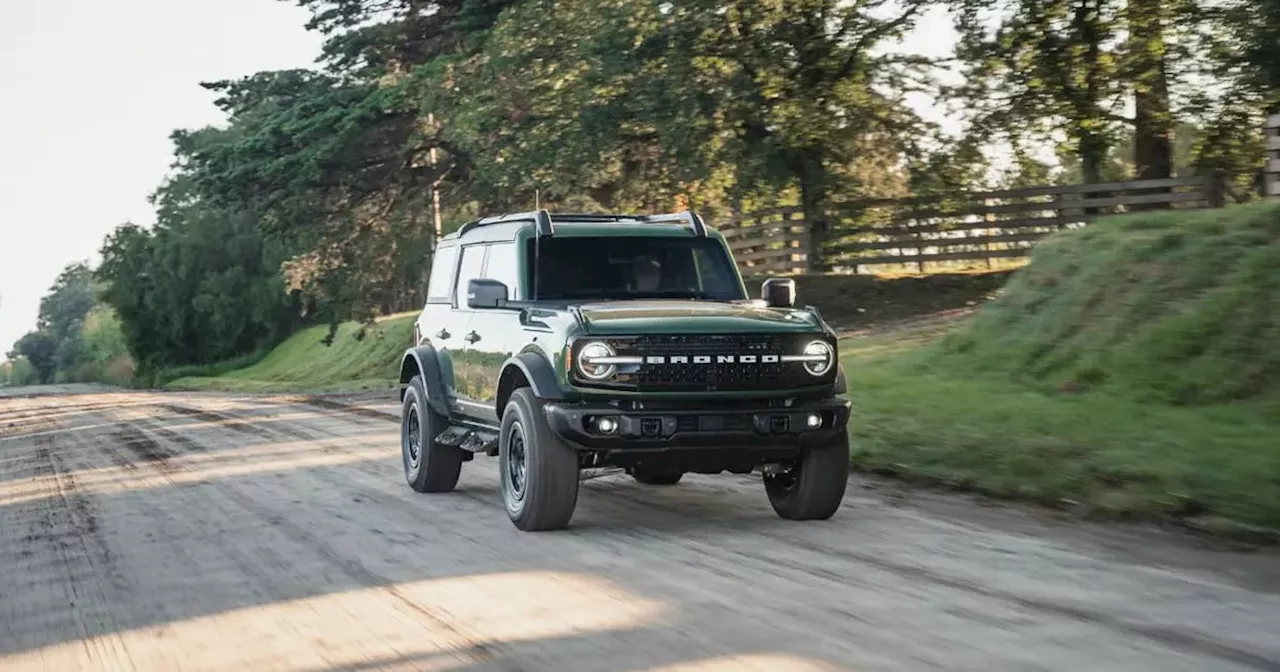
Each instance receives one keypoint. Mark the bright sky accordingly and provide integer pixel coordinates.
(92, 90)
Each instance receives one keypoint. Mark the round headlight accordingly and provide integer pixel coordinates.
(590, 364)
(818, 357)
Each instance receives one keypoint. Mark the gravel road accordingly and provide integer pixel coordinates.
(167, 531)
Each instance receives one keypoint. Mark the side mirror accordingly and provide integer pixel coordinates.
(779, 292)
(486, 293)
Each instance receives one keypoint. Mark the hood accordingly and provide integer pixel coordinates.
(703, 317)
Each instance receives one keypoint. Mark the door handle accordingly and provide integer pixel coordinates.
(471, 337)
(443, 333)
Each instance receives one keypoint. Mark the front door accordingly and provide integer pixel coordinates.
(491, 337)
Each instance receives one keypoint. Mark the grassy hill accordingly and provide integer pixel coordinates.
(1132, 368)
(1179, 308)
(304, 362)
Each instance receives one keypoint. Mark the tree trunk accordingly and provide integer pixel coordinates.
(1093, 156)
(1092, 144)
(813, 198)
(1153, 124)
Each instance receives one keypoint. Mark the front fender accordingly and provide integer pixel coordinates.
(538, 371)
(424, 361)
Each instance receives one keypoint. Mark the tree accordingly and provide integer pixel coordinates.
(201, 287)
(629, 104)
(22, 373)
(40, 349)
(1065, 69)
(1049, 69)
(63, 310)
(1259, 23)
(1146, 59)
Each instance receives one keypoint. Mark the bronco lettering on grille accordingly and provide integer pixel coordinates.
(712, 359)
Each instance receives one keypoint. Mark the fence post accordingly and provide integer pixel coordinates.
(1216, 189)
(1271, 171)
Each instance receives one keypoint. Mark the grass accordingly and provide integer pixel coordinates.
(1130, 369)
(1180, 308)
(304, 362)
(914, 417)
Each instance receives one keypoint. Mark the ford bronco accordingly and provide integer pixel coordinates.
(569, 342)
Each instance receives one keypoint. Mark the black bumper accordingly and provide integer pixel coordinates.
(771, 431)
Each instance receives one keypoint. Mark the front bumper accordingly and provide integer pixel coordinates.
(748, 428)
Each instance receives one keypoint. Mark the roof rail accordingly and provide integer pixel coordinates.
(540, 217)
(595, 217)
(684, 217)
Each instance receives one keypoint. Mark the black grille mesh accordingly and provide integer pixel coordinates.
(717, 376)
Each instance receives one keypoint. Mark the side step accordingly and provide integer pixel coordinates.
(470, 438)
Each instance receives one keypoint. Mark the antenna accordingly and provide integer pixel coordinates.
(537, 200)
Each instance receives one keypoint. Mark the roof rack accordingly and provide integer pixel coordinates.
(545, 228)
(540, 217)
(684, 217)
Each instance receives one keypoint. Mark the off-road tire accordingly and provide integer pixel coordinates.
(653, 477)
(544, 494)
(438, 466)
(815, 488)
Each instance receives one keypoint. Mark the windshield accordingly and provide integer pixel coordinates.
(633, 267)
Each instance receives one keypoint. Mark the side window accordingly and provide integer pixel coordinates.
(442, 267)
(502, 267)
(469, 269)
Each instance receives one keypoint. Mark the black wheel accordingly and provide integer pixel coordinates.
(650, 476)
(428, 466)
(814, 488)
(539, 471)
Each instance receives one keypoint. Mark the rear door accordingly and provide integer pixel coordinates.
(433, 325)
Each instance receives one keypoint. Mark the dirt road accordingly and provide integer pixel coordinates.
(211, 532)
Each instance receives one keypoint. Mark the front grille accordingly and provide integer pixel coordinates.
(717, 376)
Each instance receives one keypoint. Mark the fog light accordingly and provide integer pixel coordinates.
(606, 425)
(814, 421)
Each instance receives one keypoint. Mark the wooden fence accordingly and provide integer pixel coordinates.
(945, 231)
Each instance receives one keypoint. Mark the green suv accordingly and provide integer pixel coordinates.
(565, 342)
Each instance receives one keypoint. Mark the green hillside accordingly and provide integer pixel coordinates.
(1132, 368)
(304, 362)
(1181, 308)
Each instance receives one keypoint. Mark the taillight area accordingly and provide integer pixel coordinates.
(417, 335)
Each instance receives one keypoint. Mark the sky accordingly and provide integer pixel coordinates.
(92, 90)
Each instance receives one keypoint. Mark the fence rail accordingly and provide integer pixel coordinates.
(962, 228)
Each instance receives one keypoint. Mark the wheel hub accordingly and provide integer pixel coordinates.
(516, 463)
(413, 439)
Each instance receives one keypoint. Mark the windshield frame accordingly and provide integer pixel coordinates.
(712, 246)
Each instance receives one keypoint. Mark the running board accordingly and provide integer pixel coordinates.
(471, 439)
